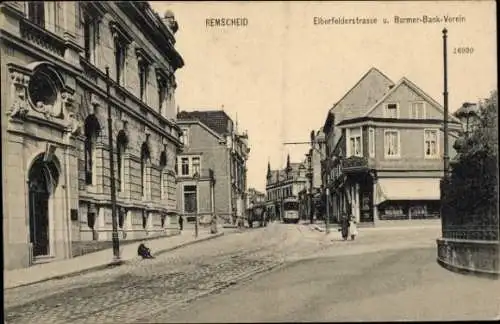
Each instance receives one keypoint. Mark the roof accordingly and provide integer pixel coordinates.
(294, 172)
(417, 90)
(217, 120)
(372, 86)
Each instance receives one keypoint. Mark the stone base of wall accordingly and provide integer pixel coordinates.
(468, 256)
(79, 248)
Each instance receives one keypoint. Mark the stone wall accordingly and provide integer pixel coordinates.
(470, 256)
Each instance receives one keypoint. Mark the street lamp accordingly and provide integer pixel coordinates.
(327, 200)
(446, 158)
(114, 235)
(196, 178)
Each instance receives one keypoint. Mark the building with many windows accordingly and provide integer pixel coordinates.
(217, 153)
(55, 152)
(284, 183)
(384, 151)
(310, 197)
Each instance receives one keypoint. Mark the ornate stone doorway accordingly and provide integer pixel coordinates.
(42, 181)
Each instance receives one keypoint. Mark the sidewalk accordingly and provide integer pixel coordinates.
(102, 259)
(383, 225)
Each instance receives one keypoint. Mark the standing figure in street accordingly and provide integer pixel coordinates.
(181, 222)
(353, 228)
(344, 226)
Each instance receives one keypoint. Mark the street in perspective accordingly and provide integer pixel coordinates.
(172, 162)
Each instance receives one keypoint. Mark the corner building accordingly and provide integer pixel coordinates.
(55, 169)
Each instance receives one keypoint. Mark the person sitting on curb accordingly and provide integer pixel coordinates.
(144, 251)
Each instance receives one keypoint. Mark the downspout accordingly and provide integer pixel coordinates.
(68, 197)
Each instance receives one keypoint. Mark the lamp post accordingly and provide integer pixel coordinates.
(446, 158)
(327, 211)
(196, 178)
(116, 243)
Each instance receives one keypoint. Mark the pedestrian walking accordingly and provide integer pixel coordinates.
(181, 222)
(353, 228)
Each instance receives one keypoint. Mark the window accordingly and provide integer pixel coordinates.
(162, 93)
(145, 154)
(418, 211)
(391, 110)
(91, 132)
(185, 166)
(43, 92)
(355, 142)
(36, 12)
(431, 143)
(121, 217)
(120, 150)
(91, 38)
(143, 81)
(185, 136)
(196, 165)
(190, 199)
(391, 143)
(120, 57)
(417, 110)
(371, 142)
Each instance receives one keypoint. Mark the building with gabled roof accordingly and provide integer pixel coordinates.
(284, 183)
(215, 150)
(384, 147)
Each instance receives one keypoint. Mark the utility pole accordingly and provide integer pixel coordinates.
(327, 220)
(446, 158)
(196, 177)
(116, 243)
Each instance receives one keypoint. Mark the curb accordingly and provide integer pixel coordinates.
(113, 264)
(467, 271)
(213, 236)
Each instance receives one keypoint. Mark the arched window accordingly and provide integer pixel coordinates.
(163, 164)
(145, 155)
(92, 129)
(121, 145)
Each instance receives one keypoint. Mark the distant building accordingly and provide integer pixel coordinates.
(215, 149)
(255, 197)
(283, 183)
(384, 151)
(55, 153)
(310, 196)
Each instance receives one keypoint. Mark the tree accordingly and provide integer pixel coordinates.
(471, 196)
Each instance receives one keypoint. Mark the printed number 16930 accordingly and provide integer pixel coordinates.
(463, 50)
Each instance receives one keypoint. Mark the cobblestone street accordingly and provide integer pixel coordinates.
(170, 287)
(136, 291)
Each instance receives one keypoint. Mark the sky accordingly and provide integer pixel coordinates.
(280, 74)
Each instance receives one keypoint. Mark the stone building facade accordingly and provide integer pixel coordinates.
(284, 183)
(56, 176)
(215, 150)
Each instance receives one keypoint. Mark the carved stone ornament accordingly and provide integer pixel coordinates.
(19, 106)
(75, 125)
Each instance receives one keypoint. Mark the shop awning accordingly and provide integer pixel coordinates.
(408, 189)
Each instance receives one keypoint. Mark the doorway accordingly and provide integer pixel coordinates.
(41, 181)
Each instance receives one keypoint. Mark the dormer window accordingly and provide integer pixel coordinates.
(391, 111)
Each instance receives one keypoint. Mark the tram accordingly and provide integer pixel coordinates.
(291, 210)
